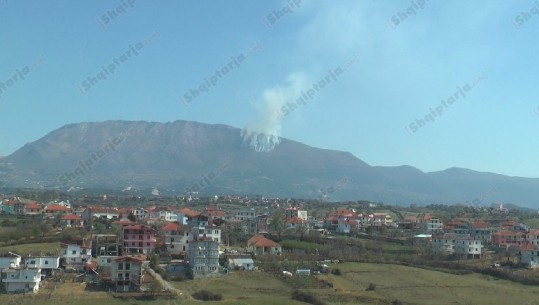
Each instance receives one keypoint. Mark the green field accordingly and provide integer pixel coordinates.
(26, 249)
(392, 282)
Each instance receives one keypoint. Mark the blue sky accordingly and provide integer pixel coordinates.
(432, 84)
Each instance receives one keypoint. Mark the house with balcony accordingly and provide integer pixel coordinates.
(76, 254)
(47, 264)
(460, 245)
(56, 209)
(20, 279)
(203, 258)
(138, 239)
(528, 255)
(127, 273)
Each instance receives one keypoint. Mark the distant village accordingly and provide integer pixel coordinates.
(127, 249)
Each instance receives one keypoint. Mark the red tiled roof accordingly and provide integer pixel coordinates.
(34, 206)
(189, 213)
(71, 217)
(259, 241)
(526, 247)
(294, 220)
(481, 225)
(171, 226)
(57, 208)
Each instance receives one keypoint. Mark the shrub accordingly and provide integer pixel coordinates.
(336, 271)
(371, 287)
(204, 295)
(307, 298)
(397, 302)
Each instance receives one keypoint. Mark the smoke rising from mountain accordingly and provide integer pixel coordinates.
(263, 134)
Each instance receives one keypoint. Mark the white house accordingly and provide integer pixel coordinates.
(10, 260)
(127, 273)
(77, 255)
(20, 279)
(46, 263)
(444, 243)
(141, 213)
(469, 247)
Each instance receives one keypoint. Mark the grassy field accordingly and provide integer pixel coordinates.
(26, 249)
(392, 282)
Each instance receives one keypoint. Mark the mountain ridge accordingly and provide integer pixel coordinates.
(173, 156)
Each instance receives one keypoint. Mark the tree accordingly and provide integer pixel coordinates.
(278, 223)
(132, 217)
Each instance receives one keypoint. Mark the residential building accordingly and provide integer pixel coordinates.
(461, 245)
(203, 258)
(296, 212)
(481, 230)
(72, 221)
(127, 273)
(106, 245)
(56, 209)
(240, 262)
(9, 260)
(138, 239)
(47, 264)
(432, 225)
(259, 244)
(19, 279)
(209, 232)
(76, 254)
(528, 255)
(176, 238)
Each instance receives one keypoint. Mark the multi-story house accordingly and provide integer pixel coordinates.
(203, 257)
(20, 279)
(56, 209)
(528, 255)
(141, 214)
(33, 209)
(204, 233)
(176, 238)
(127, 273)
(47, 264)
(432, 225)
(468, 247)
(106, 245)
(138, 239)
(461, 245)
(295, 212)
(76, 254)
(481, 230)
(72, 221)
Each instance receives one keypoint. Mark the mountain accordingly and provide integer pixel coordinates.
(179, 156)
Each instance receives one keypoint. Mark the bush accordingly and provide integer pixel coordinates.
(204, 295)
(397, 302)
(336, 271)
(371, 287)
(307, 298)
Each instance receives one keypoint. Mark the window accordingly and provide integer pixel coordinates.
(46, 262)
(120, 266)
(74, 252)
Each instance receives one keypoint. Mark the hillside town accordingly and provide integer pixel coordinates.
(127, 249)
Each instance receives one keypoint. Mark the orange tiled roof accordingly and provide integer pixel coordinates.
(171, 226)
(71, 217)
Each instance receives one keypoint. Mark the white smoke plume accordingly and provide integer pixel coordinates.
(263, 134)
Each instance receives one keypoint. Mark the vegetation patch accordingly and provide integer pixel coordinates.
(205, 295)
(306, 298)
